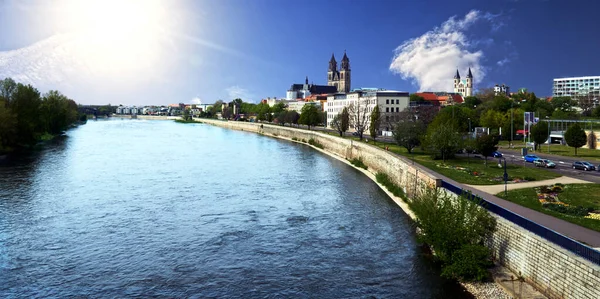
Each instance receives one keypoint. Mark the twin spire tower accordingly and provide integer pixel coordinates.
(340, 78)
(464, 87)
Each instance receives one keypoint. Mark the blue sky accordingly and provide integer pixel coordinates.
(161, 52)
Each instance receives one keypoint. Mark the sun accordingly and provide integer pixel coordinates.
(117, 36)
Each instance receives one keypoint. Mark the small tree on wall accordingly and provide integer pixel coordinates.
(375, 123)
(539, 133)
(486, 145)
(575, 137)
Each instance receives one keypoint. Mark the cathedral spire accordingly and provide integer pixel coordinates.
(332, 64)
(306, 81)
(345, 62)
(470, 75)
(457, 76)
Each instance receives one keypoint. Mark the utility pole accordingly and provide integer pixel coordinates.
(512, 132)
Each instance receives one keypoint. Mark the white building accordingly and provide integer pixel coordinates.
(576, 86)
(501, 90)
(390, 102)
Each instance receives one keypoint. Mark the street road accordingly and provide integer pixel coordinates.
(563, 164)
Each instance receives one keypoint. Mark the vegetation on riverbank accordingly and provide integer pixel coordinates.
(456, 229)
(27, 117)
(572, 203)
(384, 179)
(359, 163)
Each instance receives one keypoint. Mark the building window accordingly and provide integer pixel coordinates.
(397, 102)
(387, 109)
(397, 109)
(387, 102)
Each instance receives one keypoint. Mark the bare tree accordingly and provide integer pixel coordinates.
(586, 103)
(359, 115)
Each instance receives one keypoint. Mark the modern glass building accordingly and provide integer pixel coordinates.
(576, 86)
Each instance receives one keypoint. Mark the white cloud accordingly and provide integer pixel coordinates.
(431, 59)
(503, 61)
(234, 92)
(196, 100)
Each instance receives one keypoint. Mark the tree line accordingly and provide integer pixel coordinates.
(27, 116)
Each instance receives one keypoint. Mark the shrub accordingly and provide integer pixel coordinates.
(556, 189)
(294, 138)
(315, 143)
(470, 262)
(358, 163)
(275, 135)
(529, 179)
(384, 179)
(454, 227)
(304, 140)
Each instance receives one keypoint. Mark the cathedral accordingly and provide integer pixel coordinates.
(340, 78)
(464, 87)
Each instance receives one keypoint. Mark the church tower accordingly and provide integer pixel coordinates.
(332, 73)
(469, 87)
(345, 74)
(456, 81)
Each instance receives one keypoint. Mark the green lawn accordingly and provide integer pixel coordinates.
(561, 150)
(586, 195)
(490, 175)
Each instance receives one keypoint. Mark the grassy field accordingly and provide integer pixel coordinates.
(561, 150)
(585, 195)
(469, 171)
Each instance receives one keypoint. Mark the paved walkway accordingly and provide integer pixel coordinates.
(495, 189)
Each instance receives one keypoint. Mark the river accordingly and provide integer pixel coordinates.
(138, 208)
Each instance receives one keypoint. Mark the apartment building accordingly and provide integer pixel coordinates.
(576, 86)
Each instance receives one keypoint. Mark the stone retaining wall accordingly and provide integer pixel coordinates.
(551, 269)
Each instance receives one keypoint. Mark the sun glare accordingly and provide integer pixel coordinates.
(118, 36)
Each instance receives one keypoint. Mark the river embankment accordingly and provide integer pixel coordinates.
(408, 176)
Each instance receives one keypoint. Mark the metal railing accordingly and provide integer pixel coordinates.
(567, 243)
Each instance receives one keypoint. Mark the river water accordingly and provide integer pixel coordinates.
(135, 208)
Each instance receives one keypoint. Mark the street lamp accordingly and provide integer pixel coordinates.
(512, 111)
(549, 138)
(469, 127)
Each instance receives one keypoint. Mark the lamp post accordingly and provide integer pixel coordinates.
(512, 111)
(469, 127)
(549, 138)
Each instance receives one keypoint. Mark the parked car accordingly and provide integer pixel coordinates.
(530, 158)
(497, 154)
(544, 163)
(582, 165)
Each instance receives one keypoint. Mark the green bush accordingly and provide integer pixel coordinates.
(454, 227)
(358, 163)
(304, 140)
(384, 179)
(294, 138)
(470, 262)
(529, 179)
(315, 143)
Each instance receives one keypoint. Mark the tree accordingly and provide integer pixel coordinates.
(443, 140)
(26, 102)
(563, 103)
(292, 117)
(186, 114)
(218, 106)
(592, 140)
(309, 115)
(358, 115)
(8, 87)
(278, 107)
(408, 131)
(539, 133)
(375, 122)
(575, 137)
(471, 102)
(8, 127)
(225, 112)
(491, 119)
(281, 117)
(486, 145)
(262, 111)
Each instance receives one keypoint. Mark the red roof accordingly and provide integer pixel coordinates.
(428, 96)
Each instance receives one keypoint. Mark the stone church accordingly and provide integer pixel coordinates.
(463, 87)
(340, 78)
